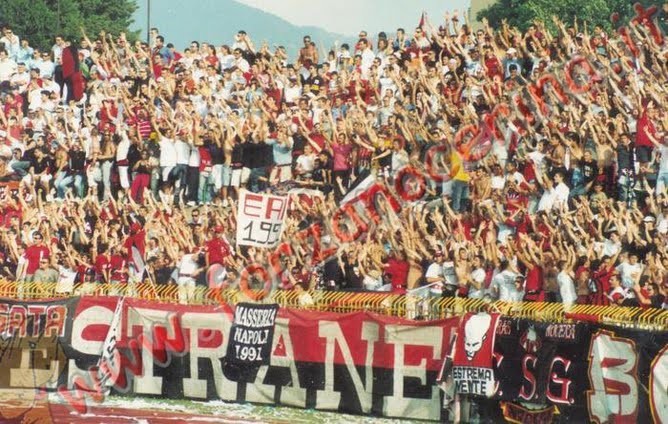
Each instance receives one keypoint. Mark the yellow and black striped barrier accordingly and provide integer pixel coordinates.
(404, 306)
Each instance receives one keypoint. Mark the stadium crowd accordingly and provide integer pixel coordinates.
(123, 161)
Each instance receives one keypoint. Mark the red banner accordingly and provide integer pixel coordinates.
(358, 363)
(361, 362)
(472, 365)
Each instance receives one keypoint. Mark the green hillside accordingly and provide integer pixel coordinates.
(216, 21)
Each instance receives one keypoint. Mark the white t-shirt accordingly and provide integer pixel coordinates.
(46, 68)
(561, 192)
(627, 271)
(306, 162)
(51, 86)
(504, 283)
(12, 45)
(123, 148)
(167, 152)
(242, 65)
(478, 276)
(34, 99)
(518, 177)
(386, 83)
(547, 200)
(188, 265)
(500, 150)
(399, 159)
(21, 80)
(566, 288)
(182, 152)
(194, 159)
(537, 158)
(57, 52)
(21, 265)
(367, 60)
(226, 61)
(662, 224)
(663, 162)
(371, 283)
(292, 93)
(435, 270)
(498, 182)
(7, 69)
(66, 279)
(608, 247)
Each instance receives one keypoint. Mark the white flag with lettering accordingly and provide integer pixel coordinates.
(260, 219)
(109, 365)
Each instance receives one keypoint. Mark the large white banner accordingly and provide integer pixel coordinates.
(260, 219)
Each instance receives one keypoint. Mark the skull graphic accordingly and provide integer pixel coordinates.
(475, 333)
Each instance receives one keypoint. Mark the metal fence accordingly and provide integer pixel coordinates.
(404, 306)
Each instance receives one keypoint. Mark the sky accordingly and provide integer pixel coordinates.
(348, 17)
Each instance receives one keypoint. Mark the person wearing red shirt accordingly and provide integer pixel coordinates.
(14, 129)
(492, 64)
(72, 76)
(396, 268)
(620, 295)
(205, 180)
(217, 249)
(648, 294)
(9, 210)
(102, 264)
(602, 275)
(520, 221)
(108, 115)
(141, 122)
(529, 254)
(275, 93)
(34, 254)
(646, 134)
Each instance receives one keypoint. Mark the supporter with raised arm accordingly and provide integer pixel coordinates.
(531, 180)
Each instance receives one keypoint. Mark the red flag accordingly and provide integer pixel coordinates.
(472, 362)
(423, 19)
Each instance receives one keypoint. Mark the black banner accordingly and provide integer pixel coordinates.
(251, 338)
(589, 372)
(541, 363)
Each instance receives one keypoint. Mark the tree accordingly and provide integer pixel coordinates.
(522, 13)
(40, 20)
